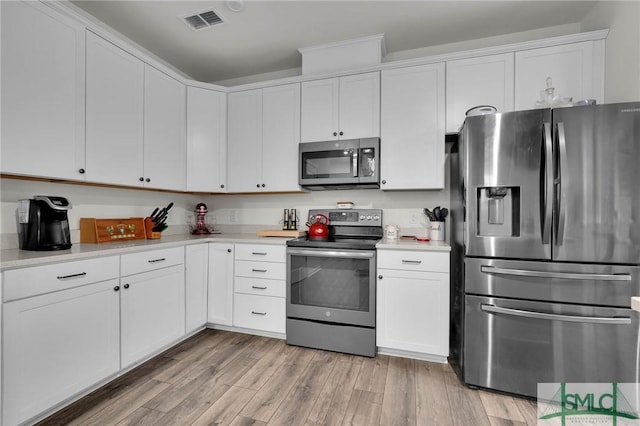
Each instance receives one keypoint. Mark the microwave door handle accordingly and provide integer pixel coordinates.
(354, 163)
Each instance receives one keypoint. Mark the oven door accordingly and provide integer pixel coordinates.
(335, 286)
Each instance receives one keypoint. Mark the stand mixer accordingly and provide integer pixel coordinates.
(201, 227)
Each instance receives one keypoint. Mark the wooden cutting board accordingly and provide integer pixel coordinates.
(280, 233)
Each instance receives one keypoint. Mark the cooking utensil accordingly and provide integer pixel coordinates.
(436, 213)
(319, 229)
(443, 213)
(429, 214)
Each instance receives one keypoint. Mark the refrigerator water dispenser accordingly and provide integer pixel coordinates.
(499, 211)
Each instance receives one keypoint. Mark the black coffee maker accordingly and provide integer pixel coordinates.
(43, 223)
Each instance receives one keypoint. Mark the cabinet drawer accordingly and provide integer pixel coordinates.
(136, 263)
(263, 252)
(259, 312)
(27, 282)
(269, 270)
(260, 287)
(413, 260)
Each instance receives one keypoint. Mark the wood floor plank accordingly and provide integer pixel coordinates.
(227, 408)
(363, 410)
(302, 397)
(142, 417)
(465, 403)
(399, 404)
(529, 410)
(432, 402)
(245, 421)
(373, 376)
(198, 402)
(502, 406)
(499, 421)
(267, 400)
(332, 402)
(264, 368)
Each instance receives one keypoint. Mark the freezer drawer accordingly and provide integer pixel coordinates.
(512, 345)
(604, 285)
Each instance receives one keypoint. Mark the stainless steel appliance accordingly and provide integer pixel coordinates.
(43, 223)
(344, 164)
(331, 285)
(546, 247)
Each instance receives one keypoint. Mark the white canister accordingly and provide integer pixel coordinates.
(391, 232)
(436, 230)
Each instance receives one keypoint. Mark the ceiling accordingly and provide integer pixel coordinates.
(265, 35)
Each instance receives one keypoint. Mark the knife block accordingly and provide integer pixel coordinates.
(148, 226)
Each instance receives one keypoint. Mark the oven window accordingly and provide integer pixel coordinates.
(339, 283)
(328, 164)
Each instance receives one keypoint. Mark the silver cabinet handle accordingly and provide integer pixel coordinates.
(162, 259)
(258, 287)
(258, 253)
(554, 317)
(412, 262)
(68, 277)
(259, 270)
(546, 274)
(258, 313)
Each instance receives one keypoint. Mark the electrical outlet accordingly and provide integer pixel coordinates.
(414, 218)
(233, 216)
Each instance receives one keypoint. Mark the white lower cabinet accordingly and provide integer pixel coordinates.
(152, 312)
(413, 304)
(259, 287)
(196, 283)
(56, 345)
(220, 307)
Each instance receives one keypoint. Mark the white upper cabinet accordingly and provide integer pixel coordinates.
(280, 137)
(42, 90)
(412, 128)
(115, 100)
(206, 140)
(341, 108)
(483, 80)
(165, 147)
(575, 70)
(264, 132)
(244, 140)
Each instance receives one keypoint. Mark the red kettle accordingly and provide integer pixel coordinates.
(318, 230)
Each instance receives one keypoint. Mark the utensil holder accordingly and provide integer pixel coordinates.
(436, 230)
(148, 226)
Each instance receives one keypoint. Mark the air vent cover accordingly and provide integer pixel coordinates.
(201, 20)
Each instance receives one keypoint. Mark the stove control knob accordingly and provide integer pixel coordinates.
(376, 217)
(369, 217)
(362, 217)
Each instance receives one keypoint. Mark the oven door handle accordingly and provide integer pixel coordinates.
(554, 317)
(332, 253)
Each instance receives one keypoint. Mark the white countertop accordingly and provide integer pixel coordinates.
(412, 244)
(15, 258)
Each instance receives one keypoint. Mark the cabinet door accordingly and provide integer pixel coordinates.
(153, 313)
(413, 311)
(115, 85)
(359, 109)
(221, 283)
(485, 80)
(319, 110)
(244, 143)
(412, 128)
(165, 159)
(42, 92)
(280, 137)
(570, 66)
(206, 140)
(196, 283)
(57, 345)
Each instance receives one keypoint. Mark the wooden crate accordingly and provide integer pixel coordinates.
(94, 230)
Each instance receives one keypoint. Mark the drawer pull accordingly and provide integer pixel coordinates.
(68, 277)
(259, 270)
(411, 262)
(162, 259)
(258, 313)
(256, 253)
(257, 287)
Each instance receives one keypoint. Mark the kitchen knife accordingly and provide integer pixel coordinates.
(154, 212)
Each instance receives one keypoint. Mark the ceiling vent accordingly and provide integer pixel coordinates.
(202, 20)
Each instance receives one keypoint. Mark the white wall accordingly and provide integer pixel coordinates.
(622, 63)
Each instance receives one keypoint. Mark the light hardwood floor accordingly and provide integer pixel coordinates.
(224, 378)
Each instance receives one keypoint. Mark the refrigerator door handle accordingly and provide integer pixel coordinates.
(547, 191)
(555, 317)
(561, 189)
(548, 274)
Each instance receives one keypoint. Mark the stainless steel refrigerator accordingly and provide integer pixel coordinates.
(546, 247)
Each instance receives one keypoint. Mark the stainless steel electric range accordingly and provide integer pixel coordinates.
(331, 285)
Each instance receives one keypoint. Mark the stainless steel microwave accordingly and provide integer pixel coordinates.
(344, 164)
